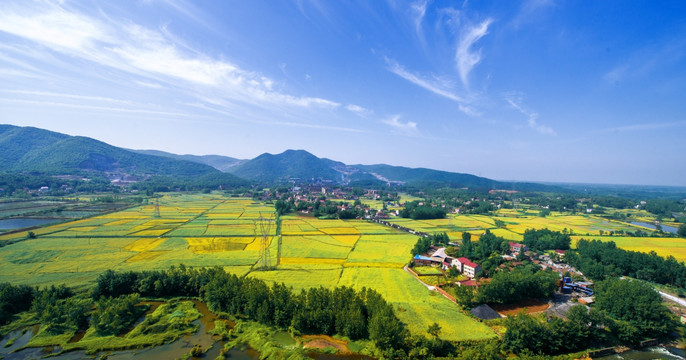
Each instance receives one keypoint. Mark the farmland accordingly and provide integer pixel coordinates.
(213, 230)
(662, 246)
(196, 230)
(513, 224)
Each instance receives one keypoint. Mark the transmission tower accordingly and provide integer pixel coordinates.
(264, 262)
(278, 252)
(157, 208)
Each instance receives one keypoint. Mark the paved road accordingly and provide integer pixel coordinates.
(673, 298)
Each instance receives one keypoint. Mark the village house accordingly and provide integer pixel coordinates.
(439, 255)
(467, 267)
(517, 248)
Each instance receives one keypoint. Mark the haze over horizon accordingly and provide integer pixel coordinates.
(537, 90)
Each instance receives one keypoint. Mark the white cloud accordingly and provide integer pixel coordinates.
(55, 28)
(359, 110)
(408, 128)
(42, 94)
(515, 100)
(150, 53)
(419, 11)
(148, 84)
(437, 87)
(91, 107)
(465, 57)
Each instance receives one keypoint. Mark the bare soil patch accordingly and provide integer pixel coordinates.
(325, 341)
(530, 306)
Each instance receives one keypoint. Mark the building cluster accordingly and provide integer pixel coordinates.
(440, 258)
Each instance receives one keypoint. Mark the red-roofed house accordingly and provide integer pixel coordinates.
(560, 253)
(517, 248)
(467, 267)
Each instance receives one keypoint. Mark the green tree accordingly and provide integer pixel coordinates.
(682, 231)
(635, 303)
(114, 315)
(65, 316)
(434, 330)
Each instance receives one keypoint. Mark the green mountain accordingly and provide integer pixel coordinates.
(300, 164)
(402, 174)
(291, 164)
(219, 162)
(28, 149)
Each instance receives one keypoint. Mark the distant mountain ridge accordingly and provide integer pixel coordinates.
(219, 162)
(302, 166)
(28, 149)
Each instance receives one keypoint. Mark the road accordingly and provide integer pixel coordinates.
(673, 298)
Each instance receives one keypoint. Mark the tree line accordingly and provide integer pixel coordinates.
(544, 239)
(625, 312)
(598, 260)
(415, 211)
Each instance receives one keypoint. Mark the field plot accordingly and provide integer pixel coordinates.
(318, 246)
(415, 305)
(135, 239)
(662, 246)
(302, 276)
(389, 251)
(515, 224)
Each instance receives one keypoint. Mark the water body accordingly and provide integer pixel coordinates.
(665, 228)
(177, 349)
(13, 224)
(653, 353)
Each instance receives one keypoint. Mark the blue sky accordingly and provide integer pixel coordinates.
(534, 90)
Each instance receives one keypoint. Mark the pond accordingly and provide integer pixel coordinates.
(13, 224)
(665, 228)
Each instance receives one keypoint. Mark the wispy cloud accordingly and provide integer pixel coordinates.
(437, 87)
(148, 84)
(418, 9)
(359, 110)
(55, 28)
(465, 57)
(529, 11)
(515, 100)
(407, 128)
(232, 115)
(43, 94)
(91, 107)
(642, 127)
(658, 56)
(146, 53)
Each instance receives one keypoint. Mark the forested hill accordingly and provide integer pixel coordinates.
(404, 174)
(300, 164)
(28, 149)
(291, 164)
